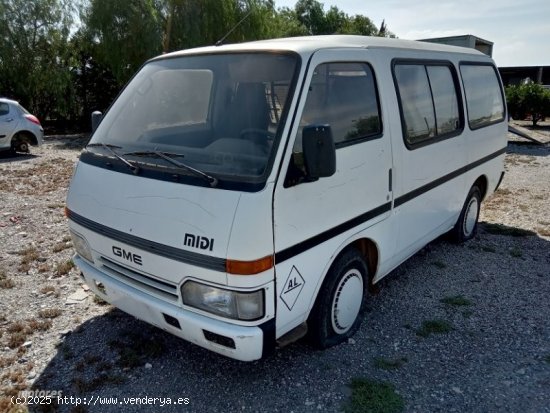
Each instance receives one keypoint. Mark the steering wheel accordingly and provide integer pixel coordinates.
(248, 131)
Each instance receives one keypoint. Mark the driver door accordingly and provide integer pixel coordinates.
(314, 219)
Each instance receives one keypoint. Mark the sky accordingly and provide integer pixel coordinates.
(519, 29)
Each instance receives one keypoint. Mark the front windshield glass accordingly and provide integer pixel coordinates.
(221, 114)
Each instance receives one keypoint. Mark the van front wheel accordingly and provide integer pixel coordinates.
(341, 303)
(466, 226)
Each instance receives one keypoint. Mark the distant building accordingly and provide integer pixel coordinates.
(466, 40)
(515, 75)
(510, 75)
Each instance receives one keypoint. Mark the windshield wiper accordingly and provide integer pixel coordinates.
(109, 147)
(168, 156)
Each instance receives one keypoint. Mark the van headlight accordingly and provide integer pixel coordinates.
(226, 303)
(81, 246)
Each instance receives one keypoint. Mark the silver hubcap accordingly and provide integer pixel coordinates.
(347, 301)
(470, 217)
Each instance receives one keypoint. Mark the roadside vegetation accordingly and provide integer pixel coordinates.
(528, 99)
(430, 327)
(64, 59)
(372, 396)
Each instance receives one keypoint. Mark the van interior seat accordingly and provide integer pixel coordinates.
(248, 110)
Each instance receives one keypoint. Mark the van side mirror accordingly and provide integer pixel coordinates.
(319, 151)
(96, 119)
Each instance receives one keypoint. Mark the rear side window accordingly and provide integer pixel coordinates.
(429, 102)
(484, 99)
(4, 108)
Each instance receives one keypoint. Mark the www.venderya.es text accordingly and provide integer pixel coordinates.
(99, 400)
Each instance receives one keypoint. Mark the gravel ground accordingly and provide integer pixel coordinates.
(495, 357)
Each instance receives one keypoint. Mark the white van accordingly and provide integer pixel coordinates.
(237, 196)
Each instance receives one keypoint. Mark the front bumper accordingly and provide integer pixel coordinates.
(251, 343)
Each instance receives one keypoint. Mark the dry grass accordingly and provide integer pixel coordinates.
(16, 339)
(16, 327)
(6, 282)
(50, 312)
(61, 246)
(37, 325)
(7, 406)
(6, 361)
(497, 199)
(46, 177)
(44, 267)
(63, 268)
(28, 256)
(47, 289)
(21, 330)
(16, 376)
(545, 232)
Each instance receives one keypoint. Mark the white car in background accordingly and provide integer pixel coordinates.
(18, 128)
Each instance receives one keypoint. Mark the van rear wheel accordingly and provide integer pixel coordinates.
(341, 302)
(466, 226)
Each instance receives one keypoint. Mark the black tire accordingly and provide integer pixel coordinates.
(23, 147)
(333, 321)
(22, 142)
(466, 226)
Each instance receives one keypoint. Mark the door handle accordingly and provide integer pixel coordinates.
(9, 120)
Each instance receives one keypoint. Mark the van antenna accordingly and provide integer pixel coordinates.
(220, 42)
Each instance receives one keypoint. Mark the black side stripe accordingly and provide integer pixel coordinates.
(219, 264)
(188, 257)
(335, 231)
(440, 181)
(331, 233)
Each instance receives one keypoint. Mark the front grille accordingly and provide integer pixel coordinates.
(162, 289)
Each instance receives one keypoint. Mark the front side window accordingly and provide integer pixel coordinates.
(221, 114)
(483, 95)
(429, 102)
(344, 96)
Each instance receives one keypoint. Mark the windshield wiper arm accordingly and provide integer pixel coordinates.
(109, 147)
(167, 156)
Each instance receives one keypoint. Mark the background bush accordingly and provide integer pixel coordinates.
(528, 100)
(63, 59)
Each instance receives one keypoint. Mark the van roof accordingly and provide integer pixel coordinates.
(310, 44)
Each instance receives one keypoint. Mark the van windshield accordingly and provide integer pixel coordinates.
(221, 114)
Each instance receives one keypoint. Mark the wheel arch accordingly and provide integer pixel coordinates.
(368, 249)
(25, 134)
(482, 183)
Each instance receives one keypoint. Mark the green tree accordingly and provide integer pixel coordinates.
(192, 23)
(360, 25)
(95, 85)
(34, 58)
(528, 98)
(309, 17)
(286, 24)
(126, 32)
